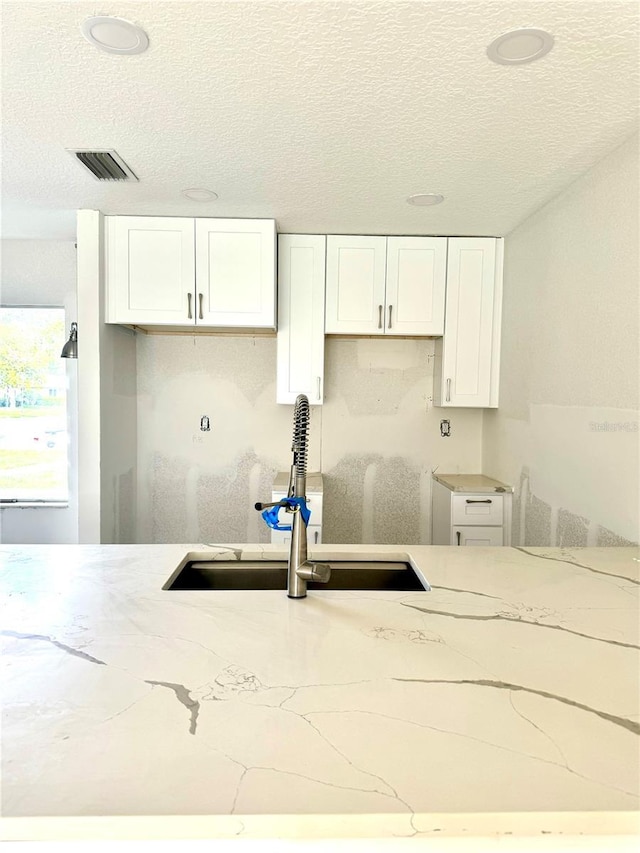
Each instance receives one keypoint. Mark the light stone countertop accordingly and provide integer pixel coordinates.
(506, 700)
(478, 483)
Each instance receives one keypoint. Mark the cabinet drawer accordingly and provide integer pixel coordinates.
(477, 509)
(477, 536)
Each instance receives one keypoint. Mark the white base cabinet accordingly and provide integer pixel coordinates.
(300, 342)
(467, 358)
(185, 273)
(470, 518)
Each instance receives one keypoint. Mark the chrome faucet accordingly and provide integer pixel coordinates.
(300, 569)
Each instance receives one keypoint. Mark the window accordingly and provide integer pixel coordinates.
(33, 406)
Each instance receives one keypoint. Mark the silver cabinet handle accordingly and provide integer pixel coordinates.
(316, 537)
(379, 316)
(458, 536)
(448, 390)
(201, 315)
(318, 388)
(189, 314)
(487, 501)
(389, 323)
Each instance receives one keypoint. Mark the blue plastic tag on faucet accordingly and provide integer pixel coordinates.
(271, 515)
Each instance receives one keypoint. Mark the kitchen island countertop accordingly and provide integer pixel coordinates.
(504, 700)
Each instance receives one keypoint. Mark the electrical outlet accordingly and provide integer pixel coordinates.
(445, 429)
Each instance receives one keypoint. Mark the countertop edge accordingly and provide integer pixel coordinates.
(409, 827)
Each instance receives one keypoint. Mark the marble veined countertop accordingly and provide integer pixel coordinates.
(503, 701)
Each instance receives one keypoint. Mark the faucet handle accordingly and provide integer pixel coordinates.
(293, 504)
(320, 572)
(260, 506)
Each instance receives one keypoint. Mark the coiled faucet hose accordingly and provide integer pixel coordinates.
(300, 434)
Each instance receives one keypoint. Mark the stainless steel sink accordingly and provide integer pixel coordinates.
(271, 574)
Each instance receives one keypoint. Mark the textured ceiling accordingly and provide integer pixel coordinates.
(322, 115)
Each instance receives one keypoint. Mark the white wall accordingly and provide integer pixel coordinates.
(376, 439)
(107, 443)
(566, 433)
(43, 272)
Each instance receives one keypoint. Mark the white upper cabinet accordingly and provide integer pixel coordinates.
(235, 272)
(416, 277)
(150, 270)
(300, 342)
(468, 356)
(355, 285)
(185, 272)
(385, 285)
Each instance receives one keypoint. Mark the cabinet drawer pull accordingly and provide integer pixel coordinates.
(448, 391)
(201, 315)
(389, 323)
(458, 536)
(379, 316)
(318, 388)
(487, 501)
(316, 537)
(189, 314)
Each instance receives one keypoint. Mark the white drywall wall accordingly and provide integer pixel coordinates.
(376, 439)
(566, 433)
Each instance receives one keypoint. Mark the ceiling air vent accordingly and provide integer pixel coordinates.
(104, 165)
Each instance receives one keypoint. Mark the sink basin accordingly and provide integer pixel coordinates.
(272, 574)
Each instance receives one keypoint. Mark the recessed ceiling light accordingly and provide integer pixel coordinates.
(115, 35)
(520, 46)
(425, 199)
(200, 195)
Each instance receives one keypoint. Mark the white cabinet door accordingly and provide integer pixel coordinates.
(300, 344)
(467, 357)
(150, 270)
(386, 285)
(416, 277)
(235, 272)
(355, 285)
